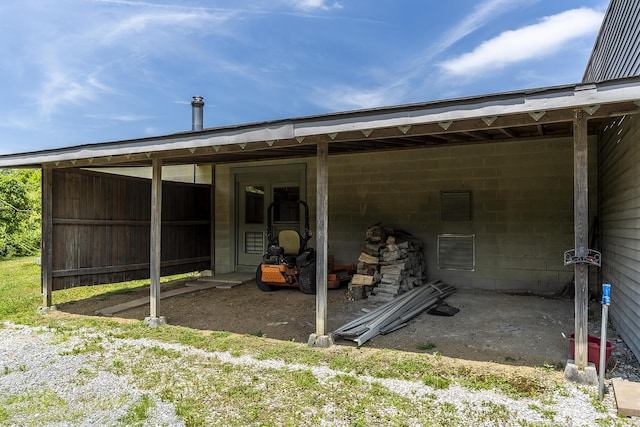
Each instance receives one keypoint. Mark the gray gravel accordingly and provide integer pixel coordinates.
(73, 388)
(69, 388)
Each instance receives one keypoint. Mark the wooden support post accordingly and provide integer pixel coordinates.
(581, 230)
(212, 251)
(155, 247)
(320, 339)
(46, 260)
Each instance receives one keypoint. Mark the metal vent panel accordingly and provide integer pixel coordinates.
(455, 205)
(254, 242)
(456, 252)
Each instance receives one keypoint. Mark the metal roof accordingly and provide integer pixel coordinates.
(534, 113)
(615, 53)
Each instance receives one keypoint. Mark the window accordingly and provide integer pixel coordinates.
(254, 204)
(287, 209)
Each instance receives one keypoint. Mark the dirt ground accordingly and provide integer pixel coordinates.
(490, 326)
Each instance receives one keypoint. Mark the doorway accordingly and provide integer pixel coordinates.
(255, 190)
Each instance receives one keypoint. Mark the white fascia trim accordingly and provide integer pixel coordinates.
(580, 96)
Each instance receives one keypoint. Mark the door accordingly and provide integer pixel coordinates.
(251, 238)
(254, 193)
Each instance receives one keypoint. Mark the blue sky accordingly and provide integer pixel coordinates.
(85, 71)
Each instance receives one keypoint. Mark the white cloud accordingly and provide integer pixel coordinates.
(344, 97)
(314, 4)
(394, 87)
(483, 13)
(348, 98)
(71, 53)
(548, 36)
(143, 22)
(63, 89)
(118, 117)
(21, 122)
(149, 23)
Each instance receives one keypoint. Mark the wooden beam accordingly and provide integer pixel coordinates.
(86, 271)
(475, 136)
(581, 230)
(509, 133)
(322, 211)
(450, 137)
(47, 237)
(155, 239)
(122, 223)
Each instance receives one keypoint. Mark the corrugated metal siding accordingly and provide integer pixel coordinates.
(620, 225)
(616, 53)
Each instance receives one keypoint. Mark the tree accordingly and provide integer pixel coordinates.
(20, 210)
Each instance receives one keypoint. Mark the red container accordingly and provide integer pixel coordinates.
(593, 350)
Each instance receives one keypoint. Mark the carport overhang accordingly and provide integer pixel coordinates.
(576, 110)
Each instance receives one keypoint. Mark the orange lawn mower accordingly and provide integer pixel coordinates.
(288, 262)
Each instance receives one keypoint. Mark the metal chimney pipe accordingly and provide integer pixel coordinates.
(197, 105)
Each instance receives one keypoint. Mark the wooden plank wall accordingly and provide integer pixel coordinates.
(620, 225)
(616, 53)
(101, 228)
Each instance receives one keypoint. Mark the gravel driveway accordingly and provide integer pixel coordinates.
(53, 379)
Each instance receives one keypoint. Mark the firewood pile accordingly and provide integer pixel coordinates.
(389, 264)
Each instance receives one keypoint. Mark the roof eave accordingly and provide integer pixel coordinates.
(500, 104)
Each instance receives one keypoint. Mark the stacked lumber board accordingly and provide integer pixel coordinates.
(389, 264)
(396, 313)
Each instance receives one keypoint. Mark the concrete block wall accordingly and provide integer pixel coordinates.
(224, 225)
(522, 207)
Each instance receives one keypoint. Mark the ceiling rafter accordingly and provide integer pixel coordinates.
(474, 135)
(508, 132)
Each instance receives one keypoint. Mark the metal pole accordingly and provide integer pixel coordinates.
(606, 300)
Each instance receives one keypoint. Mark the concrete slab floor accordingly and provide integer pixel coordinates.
(518, 329)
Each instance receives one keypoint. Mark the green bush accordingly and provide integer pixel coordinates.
(20, 209)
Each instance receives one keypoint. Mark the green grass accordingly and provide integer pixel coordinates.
(20, 297)
(138, 412)
(424, 346)
(20, 294)
(18, 409)
(205, 390)
(19, 290)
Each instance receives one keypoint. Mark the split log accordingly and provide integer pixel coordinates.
(367, 269)
(361, 280)
(368, 259)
